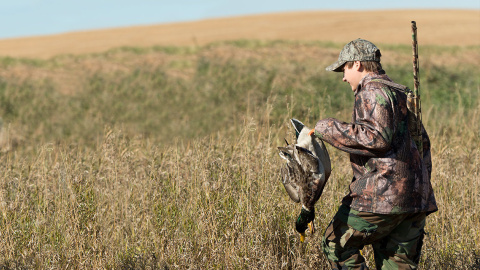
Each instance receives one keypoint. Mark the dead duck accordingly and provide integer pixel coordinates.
(307, 169)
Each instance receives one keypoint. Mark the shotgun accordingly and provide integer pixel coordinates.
(413, 103)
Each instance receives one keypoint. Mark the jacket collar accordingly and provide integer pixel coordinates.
(370, 76)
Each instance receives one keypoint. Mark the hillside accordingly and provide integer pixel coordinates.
(158, 156)
(436, 27)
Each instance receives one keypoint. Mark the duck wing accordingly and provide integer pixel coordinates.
(291, 172)
(308, 166)
(297, 125)
(290, 187)
(312, 143)
(313, 179)
(321, 152)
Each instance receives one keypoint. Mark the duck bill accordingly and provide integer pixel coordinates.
(302, 237)
(311, 226)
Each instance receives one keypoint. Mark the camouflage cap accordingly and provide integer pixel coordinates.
(356, 50)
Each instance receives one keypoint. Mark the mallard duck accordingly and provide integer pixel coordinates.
(307, 169)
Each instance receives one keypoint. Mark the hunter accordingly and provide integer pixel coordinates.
(390, 193)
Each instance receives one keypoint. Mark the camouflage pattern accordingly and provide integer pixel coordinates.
(356, 50)
(389, 177)
(396, 239)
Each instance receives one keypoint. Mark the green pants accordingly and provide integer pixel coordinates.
(396, 239)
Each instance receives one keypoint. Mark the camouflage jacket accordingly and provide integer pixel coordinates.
(388, 175)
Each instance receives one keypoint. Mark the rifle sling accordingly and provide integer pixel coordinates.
(400, 87)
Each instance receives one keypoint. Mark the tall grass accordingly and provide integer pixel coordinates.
(166, 158)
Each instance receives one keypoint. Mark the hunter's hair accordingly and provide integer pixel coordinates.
(370, 66)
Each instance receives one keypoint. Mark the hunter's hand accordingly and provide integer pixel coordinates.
(303, 219)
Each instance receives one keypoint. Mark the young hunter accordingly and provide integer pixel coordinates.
(390, 193)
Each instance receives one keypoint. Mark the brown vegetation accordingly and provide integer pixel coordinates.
(436, 27)
(166, 158)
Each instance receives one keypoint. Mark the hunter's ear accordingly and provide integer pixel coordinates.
(357, 65)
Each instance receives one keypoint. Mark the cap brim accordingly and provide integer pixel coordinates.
(336, 67)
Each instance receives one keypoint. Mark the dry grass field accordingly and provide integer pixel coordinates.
(437, 27)
(155, 147)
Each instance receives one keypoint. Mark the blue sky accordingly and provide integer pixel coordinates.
(19, 18)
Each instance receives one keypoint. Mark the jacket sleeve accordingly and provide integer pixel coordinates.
(370, 133)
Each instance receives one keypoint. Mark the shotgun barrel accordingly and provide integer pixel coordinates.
(415, 96)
